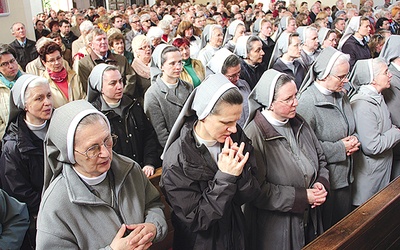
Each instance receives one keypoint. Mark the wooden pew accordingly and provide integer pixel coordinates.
(373, 225)
(167, 242)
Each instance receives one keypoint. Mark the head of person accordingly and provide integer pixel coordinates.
(98, 41)
(231, 68)
(54, 26)
(364, 28)
(291, 25)
(107, 81)
(165, 26)
(391, 50)
(267, 28)
(237, 29)
(32, 95)
(327, 38)
(381, 74)
(56, 37)
(290, 46)
(145, 21)
(78, 19)
(302, 20)
(375, 44)
(184, 47)
(117, 21)
(250, 49)
(396, 13)
(340, 4)
(339, 24)
(215, 36)
(382, 23)
(275, 92)
(117, 43)
(60, 15)
(50, 56)
(8, 63)
(84, 142)
(65, 27)
(155, 34)
(168, 59)
(141, 48)
(85, 27)
(18, 31)
(309, 37)
(134, 21)
(39, 25)
(185, 29)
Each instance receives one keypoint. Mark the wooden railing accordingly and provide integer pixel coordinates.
(167, 242)
(373, 225)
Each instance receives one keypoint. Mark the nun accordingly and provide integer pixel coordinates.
(326, 108)
(353, 41)
(235, 30)
(309, 49)
(291, 168)
(211, 41)
(22, 158)
(377, 134)
(327, 38)
(391, 53)
(94, 198)
(136, 136)
(208, 169)
(165, 97)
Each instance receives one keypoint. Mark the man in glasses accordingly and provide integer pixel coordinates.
(25, 50)
(100, 53)
(9, 73)
(136, 29)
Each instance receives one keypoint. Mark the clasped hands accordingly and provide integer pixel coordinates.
(139, 238)
(232, 159)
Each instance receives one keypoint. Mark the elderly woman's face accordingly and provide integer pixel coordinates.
(382, 80)
(91, 136)
(8, 66)
(222, 124)
(217, 38)
(291, 27)
(256, 53)
(284, 107)
(39, 104)
(239, 32)
(172, 67)
(336, 80)
(144, 51)
(119, 46)
(54, 62)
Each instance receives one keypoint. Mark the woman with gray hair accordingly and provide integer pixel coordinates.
(94, 198)
(141, 48)
(326, 108)
(377, 134)
(208, 169)
(211, 41)
(291, 168)
(22, 158)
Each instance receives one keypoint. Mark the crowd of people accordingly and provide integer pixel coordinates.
(269, 126)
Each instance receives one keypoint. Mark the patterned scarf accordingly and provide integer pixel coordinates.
(9, 84)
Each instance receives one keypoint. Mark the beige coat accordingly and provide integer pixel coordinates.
(75, 91)
(198, 68)
(4, 107)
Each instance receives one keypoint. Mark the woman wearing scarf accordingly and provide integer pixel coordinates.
(235, 30)
(22, 159)
(136, 136)
(193, 70)
(327, 38)
(141, 49)
(287, 24)
(165, 97)
(211, 41)
(373, 163)
(94, 198)
(64, 84)
(9, 73)
(65, 52)
(327, 110)
(391, 53)
(353, 40)
(291, 168)
(208, 169)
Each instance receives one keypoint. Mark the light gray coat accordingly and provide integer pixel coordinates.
(330, 124)
(372, 166)
(72, 217)
(162, 105)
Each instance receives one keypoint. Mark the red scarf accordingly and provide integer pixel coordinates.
(61, 80)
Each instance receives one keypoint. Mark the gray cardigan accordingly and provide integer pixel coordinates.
(72, 217)
(373, 164)
(162, 105)
(331, 124)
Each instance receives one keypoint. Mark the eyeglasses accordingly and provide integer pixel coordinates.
(289, 101)
(6, 64)
(233, 77)
(94, 151)
(146, 20)
(340, 78)
(137, 21)
(144, 48)
(54, 60)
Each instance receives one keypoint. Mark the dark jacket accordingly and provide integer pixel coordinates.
(298, 74)
(206, 202)
(136, 136)
(68, 39)
(250, 73)
(356, 50)
(24, 54)
(268, 47)
(21, 165)
(279, 216)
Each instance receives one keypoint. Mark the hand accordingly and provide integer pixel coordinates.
(139, 238)
(231, 160)
(351, 144)
(148, 170)
(316, 195)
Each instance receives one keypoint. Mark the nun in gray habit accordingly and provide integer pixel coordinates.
(208, 169)
(377, 134)
(328, 112)
(391, 53)
(93, 196)
(291, 168)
